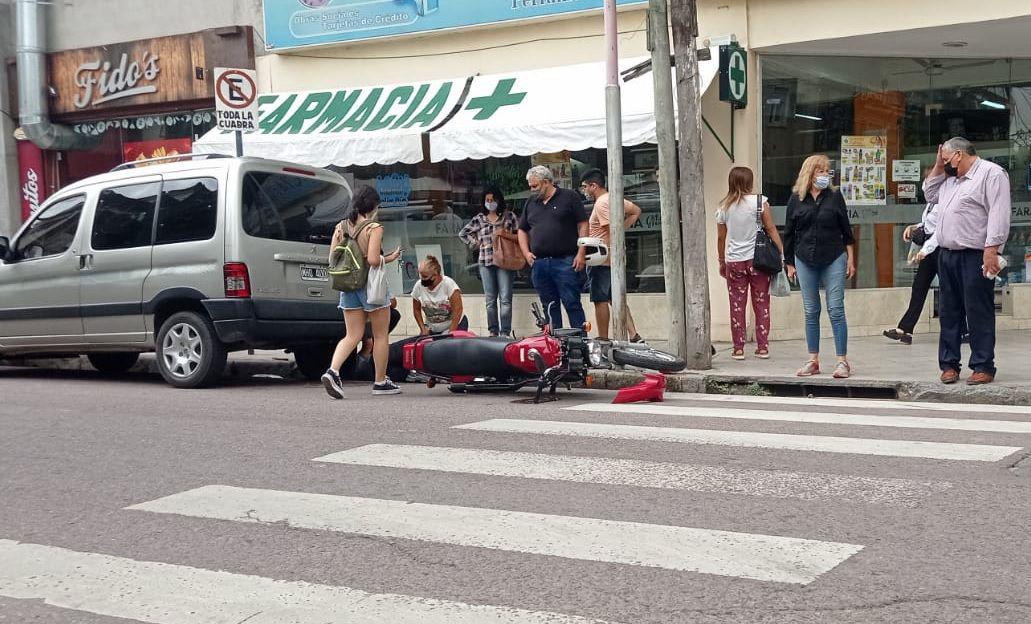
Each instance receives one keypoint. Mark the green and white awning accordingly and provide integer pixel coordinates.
(498, 115)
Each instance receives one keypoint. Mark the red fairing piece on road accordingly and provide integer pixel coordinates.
(469, 363)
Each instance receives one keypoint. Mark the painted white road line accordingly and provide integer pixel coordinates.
(164, 593)
(966, 408)
(824, 444)
(724, 553)
(635, 473)
(908, 422)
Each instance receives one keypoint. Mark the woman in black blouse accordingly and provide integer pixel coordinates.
(819, 249)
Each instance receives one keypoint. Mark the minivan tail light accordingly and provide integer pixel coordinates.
(237, 281)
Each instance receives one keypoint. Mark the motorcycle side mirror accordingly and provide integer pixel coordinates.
(536, 309)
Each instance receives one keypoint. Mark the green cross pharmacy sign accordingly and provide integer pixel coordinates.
(734, 75)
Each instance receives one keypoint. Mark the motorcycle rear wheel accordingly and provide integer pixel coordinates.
(649, 358)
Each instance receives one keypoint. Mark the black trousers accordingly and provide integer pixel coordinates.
(925, 274)
(967, 296)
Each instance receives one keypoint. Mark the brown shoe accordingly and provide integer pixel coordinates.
(950, 376)
(979, 379)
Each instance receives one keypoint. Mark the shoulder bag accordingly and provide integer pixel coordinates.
(767, 257)
(507, 254)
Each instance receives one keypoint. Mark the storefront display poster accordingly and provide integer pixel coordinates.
(864, 164)
(296, 23)
(905, 170)
(907, 190)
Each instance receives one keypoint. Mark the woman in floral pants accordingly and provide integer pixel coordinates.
(738, 220)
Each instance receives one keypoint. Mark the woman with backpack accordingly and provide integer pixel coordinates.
(361, 226)
(738, 219)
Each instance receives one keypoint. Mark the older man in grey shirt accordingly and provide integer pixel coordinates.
(973, 197)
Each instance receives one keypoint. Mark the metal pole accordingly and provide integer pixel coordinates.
(665, 135)
(692, 197)
(614, 127)
(239, 143)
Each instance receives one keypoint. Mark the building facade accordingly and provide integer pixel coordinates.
(875, 86)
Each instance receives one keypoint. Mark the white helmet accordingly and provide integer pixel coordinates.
(596, 249)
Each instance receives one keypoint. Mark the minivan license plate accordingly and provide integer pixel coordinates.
(314, 273)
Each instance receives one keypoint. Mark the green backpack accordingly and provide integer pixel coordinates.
(348, 266)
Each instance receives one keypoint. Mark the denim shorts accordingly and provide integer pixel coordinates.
(599, 282)
(356, 300)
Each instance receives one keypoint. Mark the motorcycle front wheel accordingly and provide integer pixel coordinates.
(649, 358)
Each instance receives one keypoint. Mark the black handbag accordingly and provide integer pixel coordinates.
(767, 257)
(918, 236)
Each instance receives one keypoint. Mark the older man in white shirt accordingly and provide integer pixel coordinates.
(973, 198)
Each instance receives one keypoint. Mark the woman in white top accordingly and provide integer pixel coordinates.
(437, 300)
(738, 219)
(923, 235)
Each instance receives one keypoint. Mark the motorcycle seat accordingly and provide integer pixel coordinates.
(477, 357)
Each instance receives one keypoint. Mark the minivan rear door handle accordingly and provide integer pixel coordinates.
(85, 262)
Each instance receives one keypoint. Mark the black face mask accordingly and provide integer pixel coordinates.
(428, 283)
(950, 170)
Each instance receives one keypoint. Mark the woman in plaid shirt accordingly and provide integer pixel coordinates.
(497, 282)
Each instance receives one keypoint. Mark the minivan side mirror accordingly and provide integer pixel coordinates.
(5, 249)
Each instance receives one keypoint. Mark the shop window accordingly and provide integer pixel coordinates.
(912, 105)
(292, 208)
(188, 211)
(53, 231)
(124, 217)
(424, 207)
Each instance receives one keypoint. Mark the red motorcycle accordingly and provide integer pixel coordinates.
(470, 363)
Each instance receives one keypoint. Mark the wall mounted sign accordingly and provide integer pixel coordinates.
(149, 72)
(734, 75)
(296, 23)
(905, 170)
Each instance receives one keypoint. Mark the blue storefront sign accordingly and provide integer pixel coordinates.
(296, 23)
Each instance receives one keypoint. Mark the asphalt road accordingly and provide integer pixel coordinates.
(613, 516)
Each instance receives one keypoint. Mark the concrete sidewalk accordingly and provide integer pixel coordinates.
(881, 364)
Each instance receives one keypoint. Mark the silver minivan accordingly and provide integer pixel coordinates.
(190, 259)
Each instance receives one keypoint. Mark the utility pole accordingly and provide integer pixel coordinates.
(614, 127)
(692, 197)
(665, 135)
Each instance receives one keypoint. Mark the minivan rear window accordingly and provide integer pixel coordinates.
(292, 208)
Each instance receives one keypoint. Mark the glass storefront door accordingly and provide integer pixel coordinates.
(910, 105)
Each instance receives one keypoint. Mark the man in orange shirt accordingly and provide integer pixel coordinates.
(599, 278)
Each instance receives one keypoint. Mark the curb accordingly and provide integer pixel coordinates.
(694, 383)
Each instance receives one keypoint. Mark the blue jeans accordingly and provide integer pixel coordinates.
(497, 285)
(832, 278)
(967, 302)
(555, 281)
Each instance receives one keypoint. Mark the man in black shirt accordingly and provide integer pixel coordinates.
(553, 219)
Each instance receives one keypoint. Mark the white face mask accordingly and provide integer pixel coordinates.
(491, 206)
(822, 181)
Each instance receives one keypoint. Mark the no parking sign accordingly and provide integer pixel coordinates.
(236, 99)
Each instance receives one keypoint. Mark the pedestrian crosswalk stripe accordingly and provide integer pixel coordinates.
(866, 403)
(825, 444)
(636, 473)
(908, 422)
(162, 593)
(724, 553)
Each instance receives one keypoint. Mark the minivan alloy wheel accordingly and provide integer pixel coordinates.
(182, 350)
